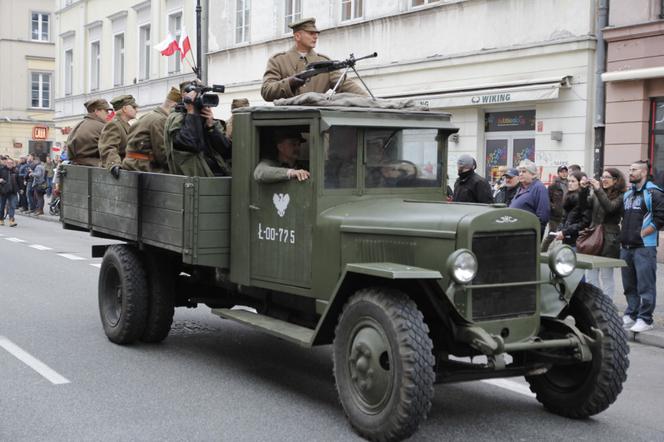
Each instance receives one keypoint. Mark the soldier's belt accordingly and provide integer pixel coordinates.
(140, 156)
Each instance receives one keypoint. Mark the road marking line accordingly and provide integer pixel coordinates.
(70, 256)
(15, 239)
(511, 386)
(40, 247)
(32, 362)
(98, 265)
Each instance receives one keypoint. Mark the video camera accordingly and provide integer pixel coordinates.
(206, 95)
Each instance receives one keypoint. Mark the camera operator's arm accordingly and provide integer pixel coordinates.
(215, 133)
(190, 136)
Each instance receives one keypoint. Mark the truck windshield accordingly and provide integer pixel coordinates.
(392, 157)
(402, 158)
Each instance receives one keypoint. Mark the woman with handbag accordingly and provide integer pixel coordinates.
(577, 209)
(607, 200)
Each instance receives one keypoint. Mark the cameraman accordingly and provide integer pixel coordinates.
(195, 142)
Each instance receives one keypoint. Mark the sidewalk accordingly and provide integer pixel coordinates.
(653, 338)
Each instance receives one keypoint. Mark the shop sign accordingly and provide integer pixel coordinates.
(509, 121)
(39, 133)
(18, 145)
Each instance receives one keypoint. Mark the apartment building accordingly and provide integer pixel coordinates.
(106, 48)
(27, 51)
(635, 84)
(516, 75)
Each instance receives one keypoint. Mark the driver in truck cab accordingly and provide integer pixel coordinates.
(287, 165)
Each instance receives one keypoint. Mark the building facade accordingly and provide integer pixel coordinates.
(105, 49)
(635, 85)
(516, 75)
(27, 51)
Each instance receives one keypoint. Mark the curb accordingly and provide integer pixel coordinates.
(49, 218)
(654, 338)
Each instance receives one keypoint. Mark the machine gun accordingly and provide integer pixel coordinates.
(322, 67)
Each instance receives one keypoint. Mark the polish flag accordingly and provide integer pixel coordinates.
(168, 46)
(184, 44)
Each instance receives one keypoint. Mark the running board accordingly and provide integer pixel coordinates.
(276, 327)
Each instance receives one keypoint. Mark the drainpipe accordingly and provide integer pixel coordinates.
(661, 9)
(600, 98)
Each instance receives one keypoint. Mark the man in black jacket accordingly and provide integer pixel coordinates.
(8, 190)
(470, 187)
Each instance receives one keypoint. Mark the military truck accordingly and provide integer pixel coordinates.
(367, 255)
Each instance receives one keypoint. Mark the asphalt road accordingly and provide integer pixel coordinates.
(213, 379)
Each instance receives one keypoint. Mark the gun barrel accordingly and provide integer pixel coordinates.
(373, 55)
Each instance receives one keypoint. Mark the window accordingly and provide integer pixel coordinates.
(351, 9)
(292, 13)
(341, 158)
(144, 53)
(69, 71)
(40, 90)
(118, 60)
(423, 2)
(657, 140)
(40, 26)
(242, 21)
(95, 65)
(175, 28)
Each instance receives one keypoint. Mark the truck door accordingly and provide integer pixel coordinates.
(281, 226)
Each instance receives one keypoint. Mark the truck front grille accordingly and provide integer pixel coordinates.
(505, 257)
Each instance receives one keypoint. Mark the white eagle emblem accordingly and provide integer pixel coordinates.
(281, 201)
(506, 219)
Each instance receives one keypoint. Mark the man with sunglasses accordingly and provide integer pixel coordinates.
(643, 218)
(113, 139)
(279, 80)
(82, 143)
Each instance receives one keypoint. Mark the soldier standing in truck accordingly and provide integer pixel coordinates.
(82, 142)
(113, 138)
(280, 80)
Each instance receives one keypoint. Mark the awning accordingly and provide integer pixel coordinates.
(534, 91)
(634, 74)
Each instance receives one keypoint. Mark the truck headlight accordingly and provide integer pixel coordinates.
(462, 265)
(562, 261)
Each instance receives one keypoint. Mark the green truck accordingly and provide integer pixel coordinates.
(367, 255)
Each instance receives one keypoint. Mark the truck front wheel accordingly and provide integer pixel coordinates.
(383, 364)
(123, 289)
(587, 388)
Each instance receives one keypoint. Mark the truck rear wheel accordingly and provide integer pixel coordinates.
(383, 364)
(587, 388)
(161, 301)
(123, 302)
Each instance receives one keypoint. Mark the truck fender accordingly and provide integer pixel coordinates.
(422, 285)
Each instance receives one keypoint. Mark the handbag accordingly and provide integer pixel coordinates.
(591, 240)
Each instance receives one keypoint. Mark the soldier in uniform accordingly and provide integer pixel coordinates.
(279, 80)
(194, 142)
(82, 142)
(235, 104)
(286, 166)
(145, 143)
(113, 139)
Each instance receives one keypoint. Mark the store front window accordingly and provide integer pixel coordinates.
(509, 139)
(657, 140)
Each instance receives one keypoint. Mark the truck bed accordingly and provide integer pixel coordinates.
(186, 215)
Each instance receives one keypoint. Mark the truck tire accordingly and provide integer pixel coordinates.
(587, 388)
(123, 290)
(383, 364)
(161, 299)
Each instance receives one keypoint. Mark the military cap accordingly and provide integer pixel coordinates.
(306, 24)
(184, 84)
(286, 133)
(174, 95)
(97, 104)
(239, 102)
(123, 100)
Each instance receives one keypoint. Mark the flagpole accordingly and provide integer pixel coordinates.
(198, 40)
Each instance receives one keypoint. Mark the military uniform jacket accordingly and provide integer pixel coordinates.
(188, 163)
(285, 64)
(113, 142)
(272, 171)
(146, 137)
(82, 143)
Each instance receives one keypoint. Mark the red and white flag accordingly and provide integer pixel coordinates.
(169, 46)
(184, 44)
